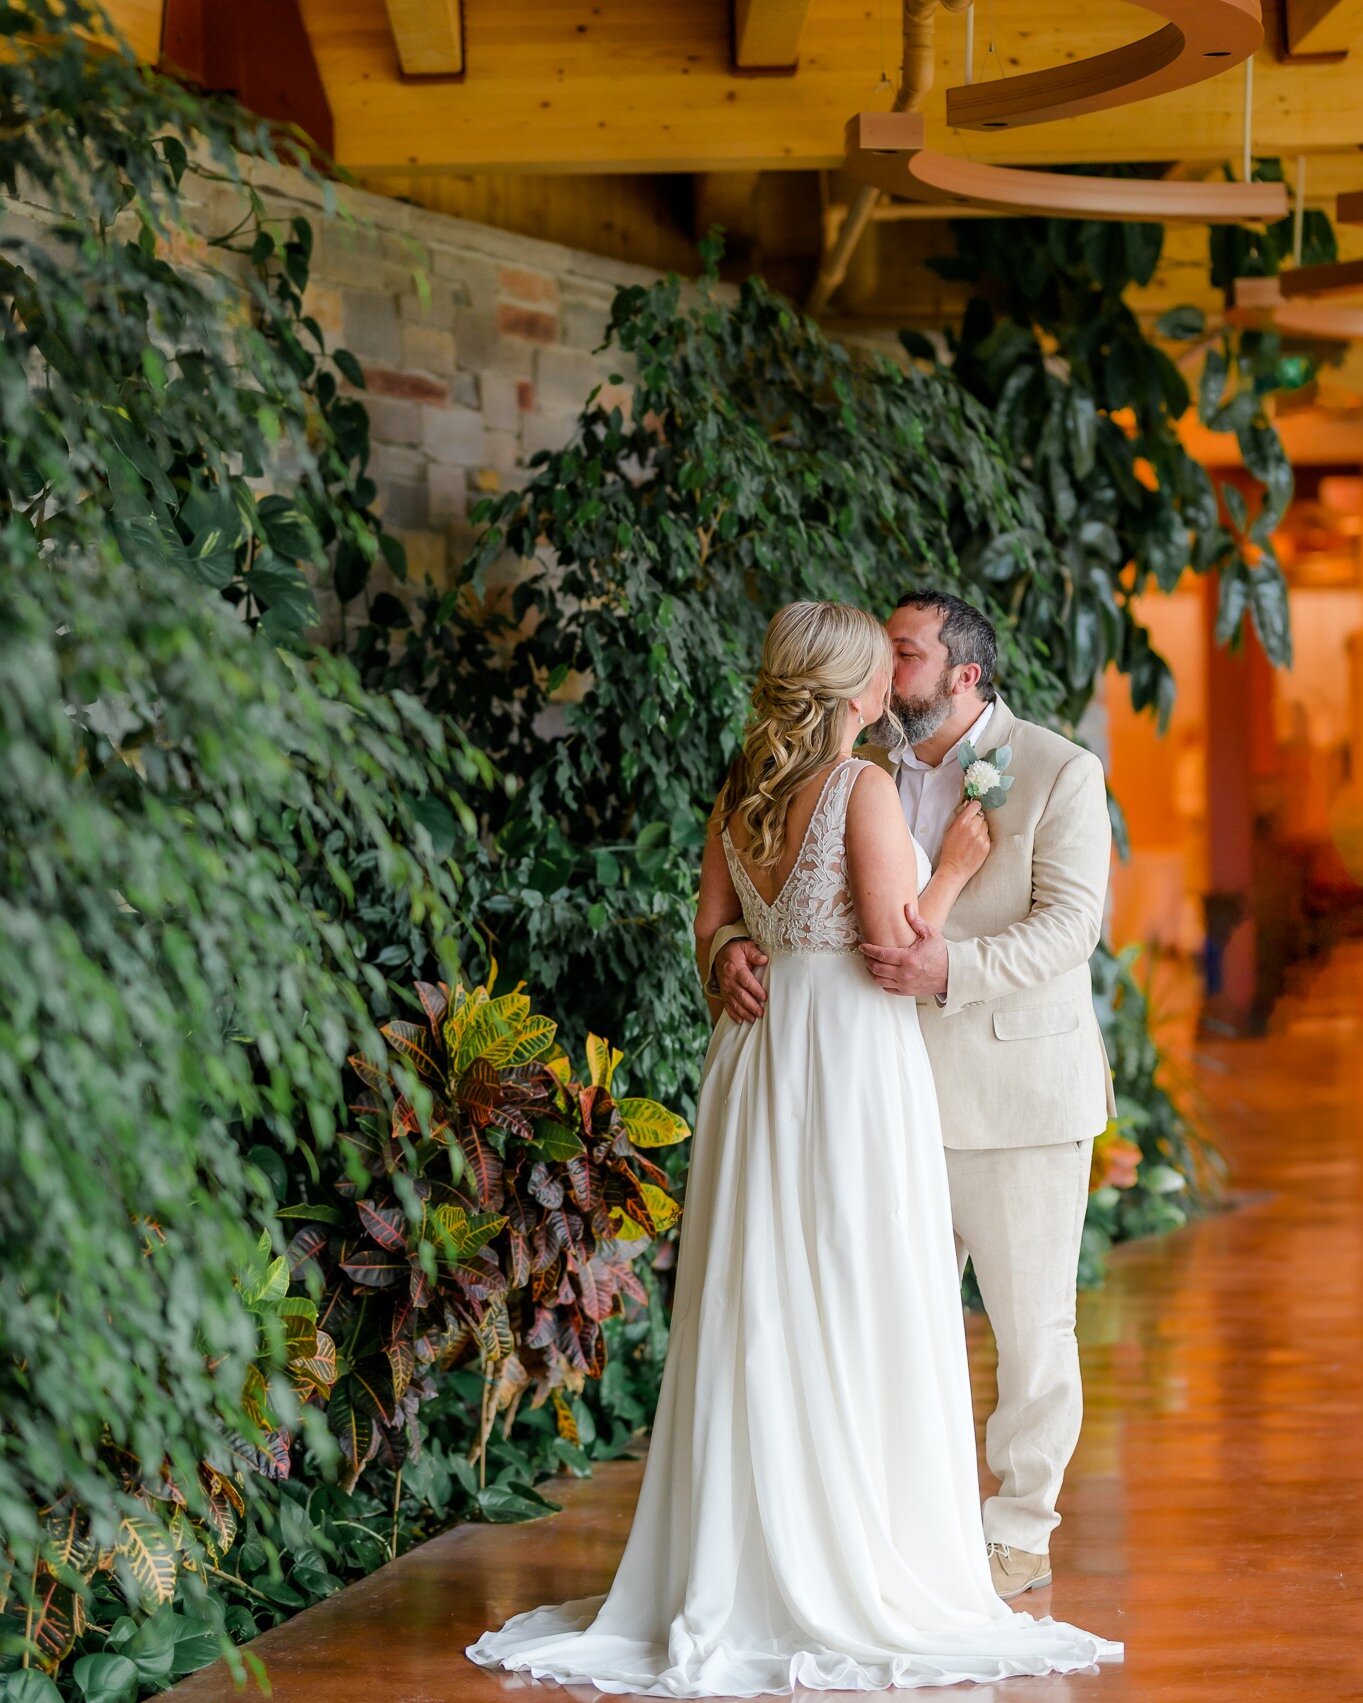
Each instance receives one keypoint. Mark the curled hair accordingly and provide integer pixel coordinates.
(816, 656)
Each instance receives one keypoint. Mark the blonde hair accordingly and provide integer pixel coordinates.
(815, 657)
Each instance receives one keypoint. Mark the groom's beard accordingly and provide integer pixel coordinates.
(921, 717)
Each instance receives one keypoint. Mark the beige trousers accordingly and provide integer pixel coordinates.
(1019, 1215)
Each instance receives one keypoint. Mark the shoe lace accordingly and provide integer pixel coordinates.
(1002, 1550)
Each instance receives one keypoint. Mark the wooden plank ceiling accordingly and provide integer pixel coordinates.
(625, 127)
(612, 85)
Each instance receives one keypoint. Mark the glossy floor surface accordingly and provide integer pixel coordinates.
(1213, 1513)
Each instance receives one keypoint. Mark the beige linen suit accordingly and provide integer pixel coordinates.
(1024, 1086)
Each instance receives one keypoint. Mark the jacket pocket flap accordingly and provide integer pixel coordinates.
(1032, 1022)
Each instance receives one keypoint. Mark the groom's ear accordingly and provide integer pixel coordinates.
(968, 678)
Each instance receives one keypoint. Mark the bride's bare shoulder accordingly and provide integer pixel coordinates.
(873, 790)
(873, 809)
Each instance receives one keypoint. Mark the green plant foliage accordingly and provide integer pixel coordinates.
(761, 462)
(1089, 404)
(202, 822)
(494, 1211)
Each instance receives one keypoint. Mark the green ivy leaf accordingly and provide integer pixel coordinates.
(1181, 324)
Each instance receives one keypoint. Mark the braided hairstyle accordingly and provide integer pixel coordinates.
(815, 657)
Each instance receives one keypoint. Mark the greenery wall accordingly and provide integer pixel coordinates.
(268, 1315)
(1039, 474)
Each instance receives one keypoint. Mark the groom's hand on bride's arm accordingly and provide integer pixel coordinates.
(920, 970)
(743, 996)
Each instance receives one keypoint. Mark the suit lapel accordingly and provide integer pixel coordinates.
(964, 922)
(1001, 725)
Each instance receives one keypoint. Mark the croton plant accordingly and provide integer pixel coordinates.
(493, 1211)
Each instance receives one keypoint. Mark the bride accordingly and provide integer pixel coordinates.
(809, 1514)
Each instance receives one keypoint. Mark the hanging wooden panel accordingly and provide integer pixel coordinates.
(885, 149)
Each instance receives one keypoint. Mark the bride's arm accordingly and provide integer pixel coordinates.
(719, 905)
(882, 866)
(965, 846)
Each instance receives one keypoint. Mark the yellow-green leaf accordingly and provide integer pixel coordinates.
(626, 1230)
(151, 1559)
(564, 1422)
(533, 1037)
(664, 1210)
(602, 1059)
(512, 1007)
(651, 1125)
(452, 1226)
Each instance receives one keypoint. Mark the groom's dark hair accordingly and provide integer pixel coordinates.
(968, 635)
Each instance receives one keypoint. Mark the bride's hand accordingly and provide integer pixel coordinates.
(966, 843)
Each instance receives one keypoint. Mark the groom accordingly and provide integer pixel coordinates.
(1006, 1008)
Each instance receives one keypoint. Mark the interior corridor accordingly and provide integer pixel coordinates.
(1213, 1513)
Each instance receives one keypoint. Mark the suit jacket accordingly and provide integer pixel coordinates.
(1016, 1050)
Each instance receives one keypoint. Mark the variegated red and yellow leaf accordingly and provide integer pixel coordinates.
(370, 1074)
(414, 1043)
(564, 1422)
(375, 1268)
(401, 1363)
(386, 1224)
(435, 1002)
(52, 1624)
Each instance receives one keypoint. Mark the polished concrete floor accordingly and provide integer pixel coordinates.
(1213, 1513)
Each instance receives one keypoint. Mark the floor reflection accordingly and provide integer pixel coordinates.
(1214, 1510)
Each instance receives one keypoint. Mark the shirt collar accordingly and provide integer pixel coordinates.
(905, 754)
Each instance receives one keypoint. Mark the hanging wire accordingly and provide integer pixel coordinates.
(970, 44)
(991, 52)
(884, 82)
(1247, 161)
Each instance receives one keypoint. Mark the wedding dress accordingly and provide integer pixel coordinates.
(809, 1514)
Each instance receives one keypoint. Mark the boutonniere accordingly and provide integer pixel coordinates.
(985, 779)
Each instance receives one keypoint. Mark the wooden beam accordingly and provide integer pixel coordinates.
(429, 36)
(1200, 39)
(1322, 26)
(616, 86)
(767, 33)
(217, 44)
(139, 23)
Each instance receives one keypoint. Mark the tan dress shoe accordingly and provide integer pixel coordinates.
(1017, 1570)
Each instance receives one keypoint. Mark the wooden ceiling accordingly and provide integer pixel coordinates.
(626, 126)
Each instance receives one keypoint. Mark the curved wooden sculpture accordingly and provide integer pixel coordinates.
(1200, 39)
(1262, 303)
(886, 149)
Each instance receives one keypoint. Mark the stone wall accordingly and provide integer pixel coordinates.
(478, 346)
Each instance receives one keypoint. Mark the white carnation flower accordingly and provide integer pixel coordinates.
(980, 779)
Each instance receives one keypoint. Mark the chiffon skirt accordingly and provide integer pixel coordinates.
(809, 1515)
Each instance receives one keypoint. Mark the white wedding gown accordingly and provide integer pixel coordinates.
(809, 1513)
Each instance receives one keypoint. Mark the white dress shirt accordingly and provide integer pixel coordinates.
(930, 794)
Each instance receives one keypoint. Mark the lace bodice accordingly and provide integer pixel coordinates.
(813, 910)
